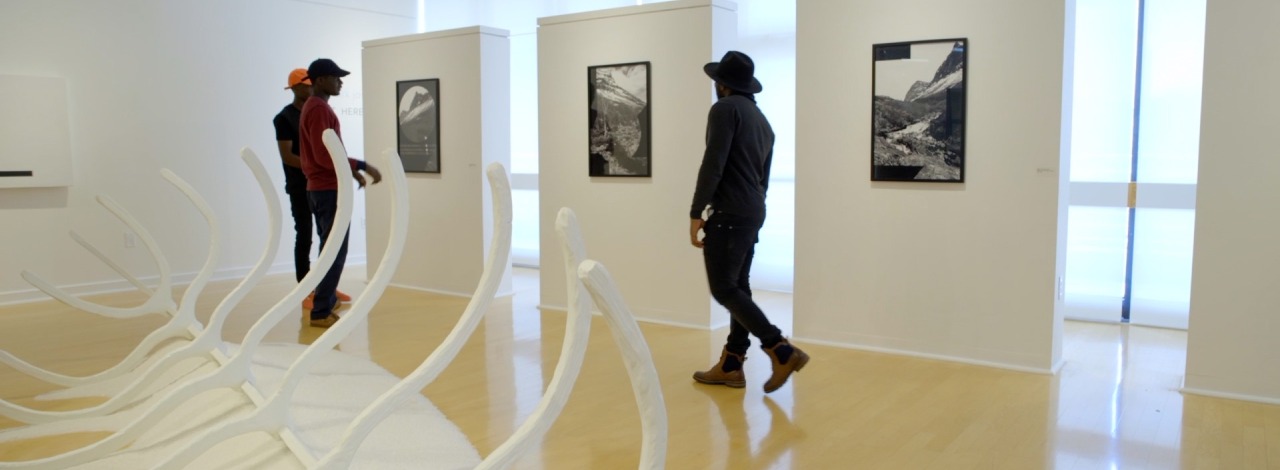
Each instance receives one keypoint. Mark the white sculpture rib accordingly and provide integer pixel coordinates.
(111, 264)
(234, 373)
(635, 353)
(499, 254)
(182, 324)
(159, 300)
(577, 332)
(274, 416)
(207, 342)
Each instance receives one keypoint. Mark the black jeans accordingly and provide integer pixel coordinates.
(302, 220)
(728, 248)
(324, 204)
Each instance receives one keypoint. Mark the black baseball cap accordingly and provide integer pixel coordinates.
(325, 67)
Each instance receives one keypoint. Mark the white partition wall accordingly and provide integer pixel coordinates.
(450, 222)
(1232, 349)
(636, 225)
(956, 271)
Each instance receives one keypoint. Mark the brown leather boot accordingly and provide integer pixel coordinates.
(782, 370)
(717, 375)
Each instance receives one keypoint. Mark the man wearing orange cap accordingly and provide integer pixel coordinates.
(295, 182)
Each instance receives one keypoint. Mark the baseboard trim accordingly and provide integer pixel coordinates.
(504, 293)
(1230, 396)
(676, 324)
(936, 357)
(556, 308)
(1057, 366)
(552, 308)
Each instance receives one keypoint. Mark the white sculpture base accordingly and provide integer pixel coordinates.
(341, 387)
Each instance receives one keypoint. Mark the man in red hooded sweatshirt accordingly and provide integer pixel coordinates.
(322, 180)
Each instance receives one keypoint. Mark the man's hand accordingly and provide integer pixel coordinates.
(694, 226)
(359, 178)
(373, 171)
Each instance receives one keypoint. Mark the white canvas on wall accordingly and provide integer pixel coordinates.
(35, 132)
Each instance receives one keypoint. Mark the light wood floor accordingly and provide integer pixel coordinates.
(1114, 405)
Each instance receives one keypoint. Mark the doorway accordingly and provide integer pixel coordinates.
(1135, 138)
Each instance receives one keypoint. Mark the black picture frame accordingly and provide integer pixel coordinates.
(418, 125)
(619, 125)
(918, 110)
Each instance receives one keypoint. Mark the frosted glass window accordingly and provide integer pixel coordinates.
(524, 227)
(1172, 80)
(1097, 243)
(774, 264)
(774, 56)
(776, 69)
(1106, 56)
(1162, 241)
(524, 104)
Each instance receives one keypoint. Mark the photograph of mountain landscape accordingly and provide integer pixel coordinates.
(918, 111)
(418, 125)
(618, 120)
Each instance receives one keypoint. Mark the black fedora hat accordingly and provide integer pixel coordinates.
(325, 67)
(736, 71)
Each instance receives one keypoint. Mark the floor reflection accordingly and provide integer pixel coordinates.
(1115, 404)
(760, 434)
(1119, 387)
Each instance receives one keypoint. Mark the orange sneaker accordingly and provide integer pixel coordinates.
(342, 296)
(309, 302)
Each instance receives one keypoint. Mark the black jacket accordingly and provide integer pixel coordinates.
(735, 168)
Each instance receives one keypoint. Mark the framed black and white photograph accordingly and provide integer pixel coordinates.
(418, 125)
(918, 111)
(618, 124)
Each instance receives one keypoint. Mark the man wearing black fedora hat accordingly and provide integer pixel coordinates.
(733, 180)
(322, 180)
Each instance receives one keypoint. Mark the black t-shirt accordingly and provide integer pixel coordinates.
(286, 123)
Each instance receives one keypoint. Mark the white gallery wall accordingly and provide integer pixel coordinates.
(766, 31)
(958, 271)
(1232, 349)
(635, 225)
(451, 211)
(181, 85)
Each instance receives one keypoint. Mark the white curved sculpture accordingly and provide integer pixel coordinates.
(183, 324)
(499, 253)
(234, 373)
(235, 413)
(273, 415)
(635, 353)
(159, 301)
(206, 343)
(112, 264)
(576, 333)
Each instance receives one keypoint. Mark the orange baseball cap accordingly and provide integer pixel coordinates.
(298, 76)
